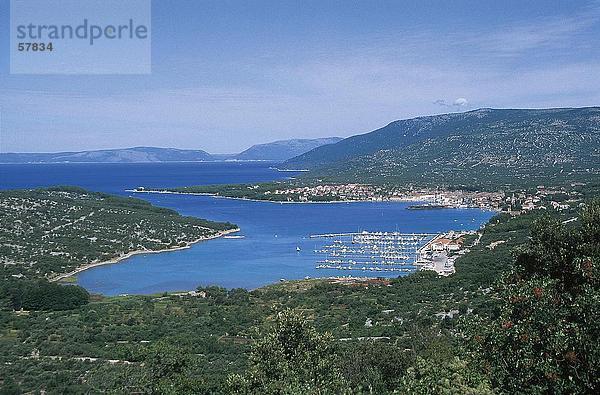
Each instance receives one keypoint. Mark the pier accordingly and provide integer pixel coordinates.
(373, 251)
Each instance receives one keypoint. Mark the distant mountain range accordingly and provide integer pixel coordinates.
(485, 147)
(284, 149)
(136, 154)
(276, 151)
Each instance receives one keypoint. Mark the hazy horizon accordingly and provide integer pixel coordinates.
(161, 147)
(308, 70)
(281, 140)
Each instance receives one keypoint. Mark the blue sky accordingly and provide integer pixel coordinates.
(228, 74)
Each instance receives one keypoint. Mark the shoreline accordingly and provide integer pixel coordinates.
(349, 277)
(216, 196)
(130, 254)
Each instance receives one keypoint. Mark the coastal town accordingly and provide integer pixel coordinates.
(512, 201)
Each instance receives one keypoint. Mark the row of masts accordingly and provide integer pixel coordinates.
(372, 251)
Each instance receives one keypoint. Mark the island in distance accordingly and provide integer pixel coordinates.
(284, 149)
(276, 151)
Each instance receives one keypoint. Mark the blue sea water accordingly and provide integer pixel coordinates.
(116, 177)
(272, 231)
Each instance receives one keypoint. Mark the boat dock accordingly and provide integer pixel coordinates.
(372, 251)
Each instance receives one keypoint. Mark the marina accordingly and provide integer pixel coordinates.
(389, 251)
(372, 251)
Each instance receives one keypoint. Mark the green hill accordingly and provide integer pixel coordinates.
(480, 148)
(45, 233)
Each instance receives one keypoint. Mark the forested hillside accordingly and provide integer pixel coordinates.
(485, 148)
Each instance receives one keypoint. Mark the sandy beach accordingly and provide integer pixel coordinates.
(139, 252)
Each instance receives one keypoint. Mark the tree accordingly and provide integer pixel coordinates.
(544, 337)
(291, 358)
(10, 387)
(169, 371)
(41, 295)
(454, 377)
(373, 366)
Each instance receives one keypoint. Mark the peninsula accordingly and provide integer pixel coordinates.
(57, 232)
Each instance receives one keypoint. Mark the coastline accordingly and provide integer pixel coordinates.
(213, 195)
(140, 252)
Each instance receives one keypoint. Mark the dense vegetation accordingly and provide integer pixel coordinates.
(282, 191)
(485, 148)
(544, 335)
(54, 231)
(410, 334)
(239, 191)
(40, 295)
(540, 337)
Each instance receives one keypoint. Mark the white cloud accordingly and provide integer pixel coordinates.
(461, 102)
